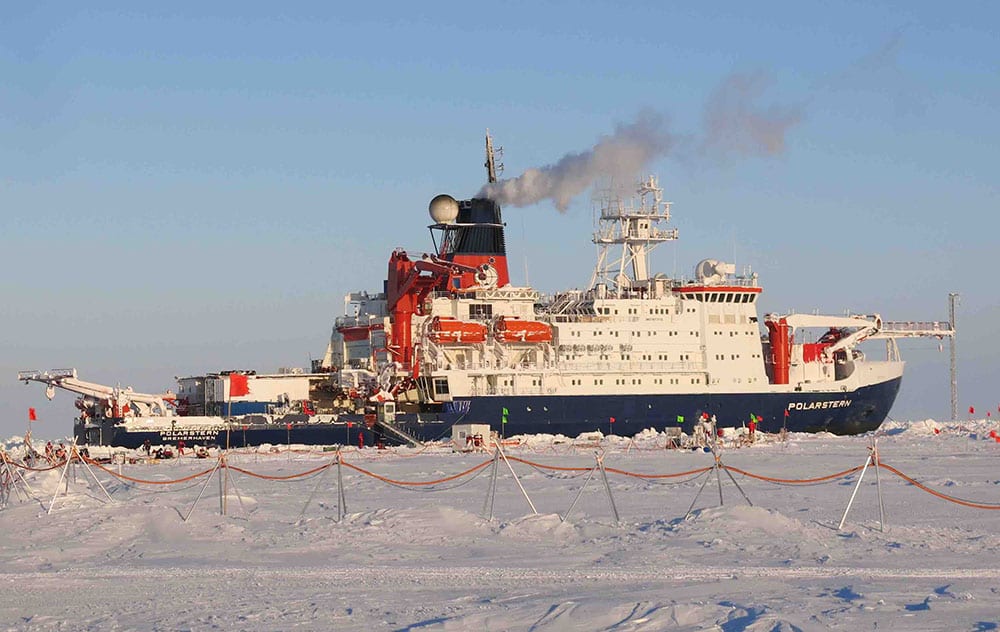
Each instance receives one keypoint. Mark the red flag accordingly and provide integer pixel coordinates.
(759, 419)
(350, 424)
(31, 415)
(786, 413)
(288, 426)
(972, 410)
(612, 420)
(238, 385)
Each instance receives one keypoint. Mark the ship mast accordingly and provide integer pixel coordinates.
(492, 167)
(634, 226)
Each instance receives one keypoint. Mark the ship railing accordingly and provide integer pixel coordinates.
(915, 329)
(599, 318)
(365, 320)
(568, 367)
(634, 365)
(41, 376)
(729, 281)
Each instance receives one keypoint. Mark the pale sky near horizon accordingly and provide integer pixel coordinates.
(187, 188)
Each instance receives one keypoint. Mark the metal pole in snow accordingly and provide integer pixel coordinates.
(718, 478)
(492, 489)
(730, 475)
(518, 481)
(315, 489)
(696, 496)
(878, 486)
(94, 476)
(62, 477)
(578, 494)
(203, 488)
(223, 485)
(607, 488)
(855, 492)
(342, 498)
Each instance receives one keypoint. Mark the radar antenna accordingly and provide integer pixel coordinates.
(493, 168)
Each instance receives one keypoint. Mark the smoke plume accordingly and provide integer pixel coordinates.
(620, 156)
(733, 123)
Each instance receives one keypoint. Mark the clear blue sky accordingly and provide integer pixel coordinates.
(187, 188)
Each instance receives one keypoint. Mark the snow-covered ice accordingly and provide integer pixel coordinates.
(426, 558)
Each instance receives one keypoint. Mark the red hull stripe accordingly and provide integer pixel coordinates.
(718, 288)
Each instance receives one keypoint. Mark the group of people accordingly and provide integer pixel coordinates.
(166, 452)
(55, 454)
(707, 433)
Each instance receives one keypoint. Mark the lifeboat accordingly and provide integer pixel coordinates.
(451, 331)
(514, 330)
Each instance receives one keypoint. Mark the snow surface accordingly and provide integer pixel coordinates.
(427, 559)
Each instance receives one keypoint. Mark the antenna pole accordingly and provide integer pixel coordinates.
(491, 168)
(952, 303)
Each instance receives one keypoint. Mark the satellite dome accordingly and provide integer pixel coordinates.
(443, 209)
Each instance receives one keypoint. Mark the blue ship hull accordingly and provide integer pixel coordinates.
(842, 413)
(836, 412)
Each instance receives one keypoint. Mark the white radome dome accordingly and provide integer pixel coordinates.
(443, 209)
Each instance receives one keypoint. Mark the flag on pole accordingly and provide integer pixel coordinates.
(32, 416)
(680, 419)
(503, 415)
(612, 420)
(786, 413)
(238, 385)
(972, 410)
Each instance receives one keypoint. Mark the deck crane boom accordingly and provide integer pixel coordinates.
(122, 402)
(864, 326)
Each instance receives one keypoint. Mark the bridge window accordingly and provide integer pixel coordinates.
(480, 311)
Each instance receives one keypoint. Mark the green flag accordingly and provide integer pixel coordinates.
(503, 415)
(680, 419)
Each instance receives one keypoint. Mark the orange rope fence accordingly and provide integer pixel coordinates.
(34, 469)
(146, 481)
(700, 470)
(951, 499)
(278, 478)
(794, 481)
(554, 468)
(480, 466)
(418, 483)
